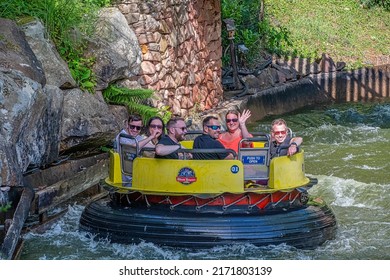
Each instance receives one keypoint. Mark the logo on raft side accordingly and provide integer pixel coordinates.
(186, 176)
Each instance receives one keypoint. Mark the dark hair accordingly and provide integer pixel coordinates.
(173, 121)
(207, 119)
(147, 132)
(134, 118)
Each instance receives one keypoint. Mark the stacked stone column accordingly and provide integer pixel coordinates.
(181, 51)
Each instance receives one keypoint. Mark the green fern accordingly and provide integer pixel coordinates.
(122, 94)
(135, 100)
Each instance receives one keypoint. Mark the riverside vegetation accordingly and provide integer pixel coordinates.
(353, 31)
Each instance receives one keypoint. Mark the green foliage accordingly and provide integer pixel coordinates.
(276, 38)
(5, 208)
(257, 36)
(105, 149)
(347, 30)
(80, 69)
(135, 100)
(66, 22)
(372, 3)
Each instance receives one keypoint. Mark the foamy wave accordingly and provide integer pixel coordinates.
(351, 193)
(348, 157)
(366, 167)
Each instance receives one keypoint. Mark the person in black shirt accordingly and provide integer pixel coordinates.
(208, 140)
(168, 145)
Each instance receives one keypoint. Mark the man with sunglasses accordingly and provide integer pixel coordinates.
(168, 146)
(133, 128)
(281, 143)
(208, 140)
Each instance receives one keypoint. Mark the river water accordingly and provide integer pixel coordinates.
(346, 148)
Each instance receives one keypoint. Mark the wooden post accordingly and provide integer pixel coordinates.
(21, 213)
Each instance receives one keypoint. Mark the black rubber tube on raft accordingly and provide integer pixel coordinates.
(306, 227)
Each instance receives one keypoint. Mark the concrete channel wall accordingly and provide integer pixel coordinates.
(362, 85)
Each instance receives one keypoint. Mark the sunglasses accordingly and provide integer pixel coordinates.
(182, 128)
(231, 120)
(214, 127)
(283, 132)
(136, 127)
(156, 126)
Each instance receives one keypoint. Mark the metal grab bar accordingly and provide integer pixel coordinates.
(127, 152)
(206, 151)
(256, 160)
(194, 151)
(192, 132)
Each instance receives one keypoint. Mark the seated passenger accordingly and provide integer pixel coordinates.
(132, 128)
(168, 146)
(154, 130)
(236, 130)
(208, 140)
(280, 138)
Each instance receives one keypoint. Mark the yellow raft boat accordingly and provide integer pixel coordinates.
(205, 203)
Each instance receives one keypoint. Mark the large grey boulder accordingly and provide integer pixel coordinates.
(29, 116)
(38, 119)
(15, 52)
(55, 68)
(115, 47)
(87, 122)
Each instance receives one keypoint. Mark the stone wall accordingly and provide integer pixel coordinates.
(181, 51)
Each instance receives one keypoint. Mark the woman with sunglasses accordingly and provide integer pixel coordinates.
(154, 129)
(236, 129)
(283, 144)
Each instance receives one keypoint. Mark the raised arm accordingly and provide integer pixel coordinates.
(143, 142)
(242, 120)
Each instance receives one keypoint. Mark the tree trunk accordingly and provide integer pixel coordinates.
(261, 11)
